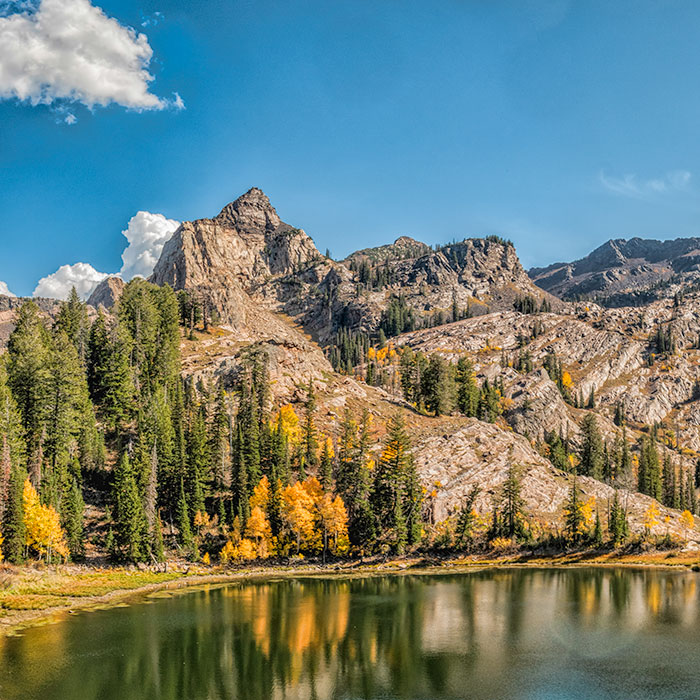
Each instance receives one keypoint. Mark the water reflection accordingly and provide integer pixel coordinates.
(506, 634)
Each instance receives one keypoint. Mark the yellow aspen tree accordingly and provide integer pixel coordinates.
(288, 421)
(44, 533)
(334, 522)
(687, 520)
(298, 514)
(261, 495)
(651, 517)
(259, 531)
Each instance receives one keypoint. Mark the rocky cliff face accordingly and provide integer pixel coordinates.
(228, 258)
(247, 252)
(107, 293)
(625, 272)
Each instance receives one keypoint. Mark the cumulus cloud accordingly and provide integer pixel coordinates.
(147, 234)
(83, 276)
(631, 186)
(5, 290)
(70, 50)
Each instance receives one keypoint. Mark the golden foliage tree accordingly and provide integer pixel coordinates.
(258, 530)
(288, 421)
(298, 514)
(44, 533)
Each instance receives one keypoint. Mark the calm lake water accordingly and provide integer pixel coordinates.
(544, 635)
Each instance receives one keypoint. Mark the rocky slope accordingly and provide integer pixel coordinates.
(248, 252)
(625, 272)
(275, 291)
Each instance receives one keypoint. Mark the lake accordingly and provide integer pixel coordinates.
(502, 634)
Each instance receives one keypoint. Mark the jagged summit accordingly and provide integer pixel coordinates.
(252, 211)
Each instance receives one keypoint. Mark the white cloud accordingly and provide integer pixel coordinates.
(83, 276)
(71, 50)
(631, 186)
(147, 234)
(4, 290)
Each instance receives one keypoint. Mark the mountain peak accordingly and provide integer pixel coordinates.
(251, 211)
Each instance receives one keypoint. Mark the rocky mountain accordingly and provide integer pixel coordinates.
(107, 293)
(247, 252)
(625, 272)
(265, 287)
(274, 291)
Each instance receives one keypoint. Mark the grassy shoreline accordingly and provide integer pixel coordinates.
(34, 595)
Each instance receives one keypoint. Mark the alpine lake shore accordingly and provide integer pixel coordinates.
(47, 594)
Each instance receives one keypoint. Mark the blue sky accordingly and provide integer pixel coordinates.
(556, 124)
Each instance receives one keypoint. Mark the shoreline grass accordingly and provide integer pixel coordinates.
(35, 595)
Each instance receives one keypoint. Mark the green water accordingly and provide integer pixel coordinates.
(544, 635)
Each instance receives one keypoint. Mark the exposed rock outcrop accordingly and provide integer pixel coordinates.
(107, 293)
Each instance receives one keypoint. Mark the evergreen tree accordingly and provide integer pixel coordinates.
(396, 498)
(617, 522)
(574, 520)
(73, 320)
(510, 506)
(649, 476)
(28, 374)
(13, 529)
(670, 491)
(73, 514)
(467, 519)
(198, 463)
(220, 440)
(598, 530)
(592, 456)
(438, 386)
(185, 538)
(467, 390)
(129, 521)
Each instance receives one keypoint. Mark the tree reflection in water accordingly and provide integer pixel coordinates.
(507, 633)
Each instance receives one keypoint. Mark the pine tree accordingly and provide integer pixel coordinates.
(598, 530)
(438, 386)
(13, 527)
(396, 496)
(73, 514)
(617, 522)
(574, 519)
(670, 493)
(241, 480)
(68, 411)
(129, 520)
(467, 519)
(467, 390)
(649, 476)
(220, 440)
(73, 320)
(183, 522)
(150, 507)
(592, 456)
(28, 359)
(510, 505)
